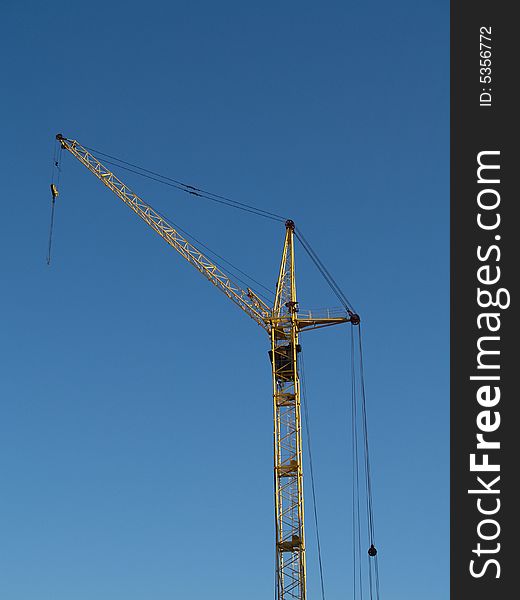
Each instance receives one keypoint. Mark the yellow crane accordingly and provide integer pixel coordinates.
(283, 323)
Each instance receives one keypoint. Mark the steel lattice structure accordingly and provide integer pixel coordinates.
(283, 322)
(288, 471)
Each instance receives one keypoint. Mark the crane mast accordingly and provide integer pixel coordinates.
(283, 323)
(288, 466)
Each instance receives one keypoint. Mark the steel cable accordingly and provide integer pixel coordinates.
(311, 469)
(356, 512)
(324, 272)
(55, 180)
(368, 476)
(189, 189)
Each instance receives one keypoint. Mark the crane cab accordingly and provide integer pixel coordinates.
(283, 361)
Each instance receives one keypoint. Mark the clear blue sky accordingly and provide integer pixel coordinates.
(135, 415)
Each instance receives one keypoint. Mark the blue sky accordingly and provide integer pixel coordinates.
(135, 414)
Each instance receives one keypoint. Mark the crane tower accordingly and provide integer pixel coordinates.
(283, 322)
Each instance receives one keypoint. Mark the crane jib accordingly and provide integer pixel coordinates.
(248, 300)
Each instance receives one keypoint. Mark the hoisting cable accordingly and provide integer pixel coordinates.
(184, 187)
(324, 272)
(356, 514)
(311, 469)
(361, 462)
(55, 180)
(372, 552)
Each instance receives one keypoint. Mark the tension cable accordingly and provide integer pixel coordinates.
(325, 272)
(189, 189)
(361, 462)
(311, 469)
(372, 551)
(55, 180)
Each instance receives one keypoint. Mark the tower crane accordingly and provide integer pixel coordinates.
(283, 323)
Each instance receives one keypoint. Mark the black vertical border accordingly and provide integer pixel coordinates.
(475, 129)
